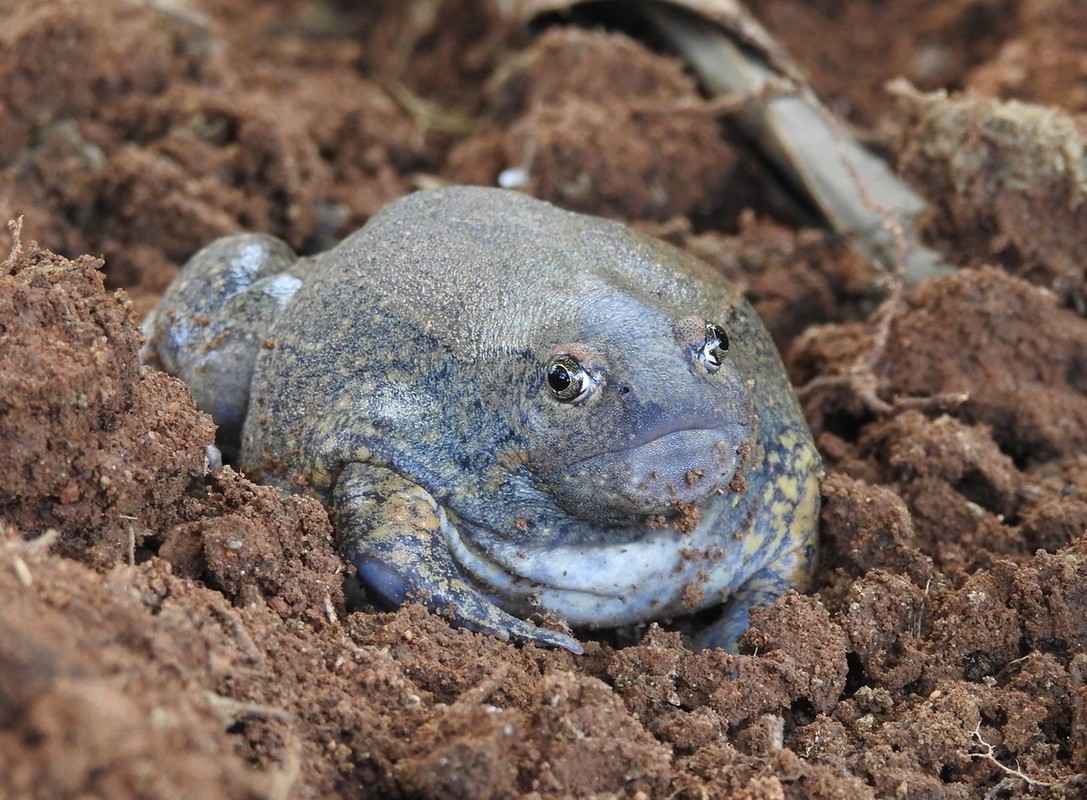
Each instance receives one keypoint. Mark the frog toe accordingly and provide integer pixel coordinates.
(507, 626)
(476, 613)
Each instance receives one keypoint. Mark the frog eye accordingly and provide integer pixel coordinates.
(567, 379)
(714, 347)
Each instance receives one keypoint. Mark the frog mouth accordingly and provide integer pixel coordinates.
(690, 428)
(705, 425)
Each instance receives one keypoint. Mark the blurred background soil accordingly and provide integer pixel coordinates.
(170, 632)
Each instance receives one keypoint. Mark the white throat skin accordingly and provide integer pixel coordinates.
(642, 573)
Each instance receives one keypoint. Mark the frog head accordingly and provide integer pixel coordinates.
(639, 414)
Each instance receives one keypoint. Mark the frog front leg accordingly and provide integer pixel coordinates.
(758, 591)
(782, 536)
(397, 536)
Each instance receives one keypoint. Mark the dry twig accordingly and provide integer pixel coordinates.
(861, 376)
(16, 228)
(987, 754)
(31, 547)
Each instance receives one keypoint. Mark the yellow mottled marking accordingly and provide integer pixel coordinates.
(789, 488)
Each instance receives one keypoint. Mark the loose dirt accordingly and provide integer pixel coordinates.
(167, 630)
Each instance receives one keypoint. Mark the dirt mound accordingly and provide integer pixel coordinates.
(171, 630)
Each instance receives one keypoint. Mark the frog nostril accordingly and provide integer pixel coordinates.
(623, 390)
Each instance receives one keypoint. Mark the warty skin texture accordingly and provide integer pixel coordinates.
(404, 376)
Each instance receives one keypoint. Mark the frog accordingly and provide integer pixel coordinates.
(533, 421)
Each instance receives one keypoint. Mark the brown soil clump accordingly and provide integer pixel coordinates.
(170, 630)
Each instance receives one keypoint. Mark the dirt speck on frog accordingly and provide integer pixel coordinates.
(510, 410)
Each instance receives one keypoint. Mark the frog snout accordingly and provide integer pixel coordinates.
(682, 461)
(687, 464)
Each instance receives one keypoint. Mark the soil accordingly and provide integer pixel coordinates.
(168, 630)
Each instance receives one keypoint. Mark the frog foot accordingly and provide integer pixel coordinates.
(396, 536)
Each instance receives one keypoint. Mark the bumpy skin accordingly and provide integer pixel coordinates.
(403, 375)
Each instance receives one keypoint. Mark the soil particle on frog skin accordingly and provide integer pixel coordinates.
(944, 640)
(687, 516)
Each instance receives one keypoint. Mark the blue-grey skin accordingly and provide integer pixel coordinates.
(510, 409)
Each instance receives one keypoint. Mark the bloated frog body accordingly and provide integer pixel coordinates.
(510, 410)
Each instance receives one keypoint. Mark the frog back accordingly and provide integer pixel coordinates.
(418, 328)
